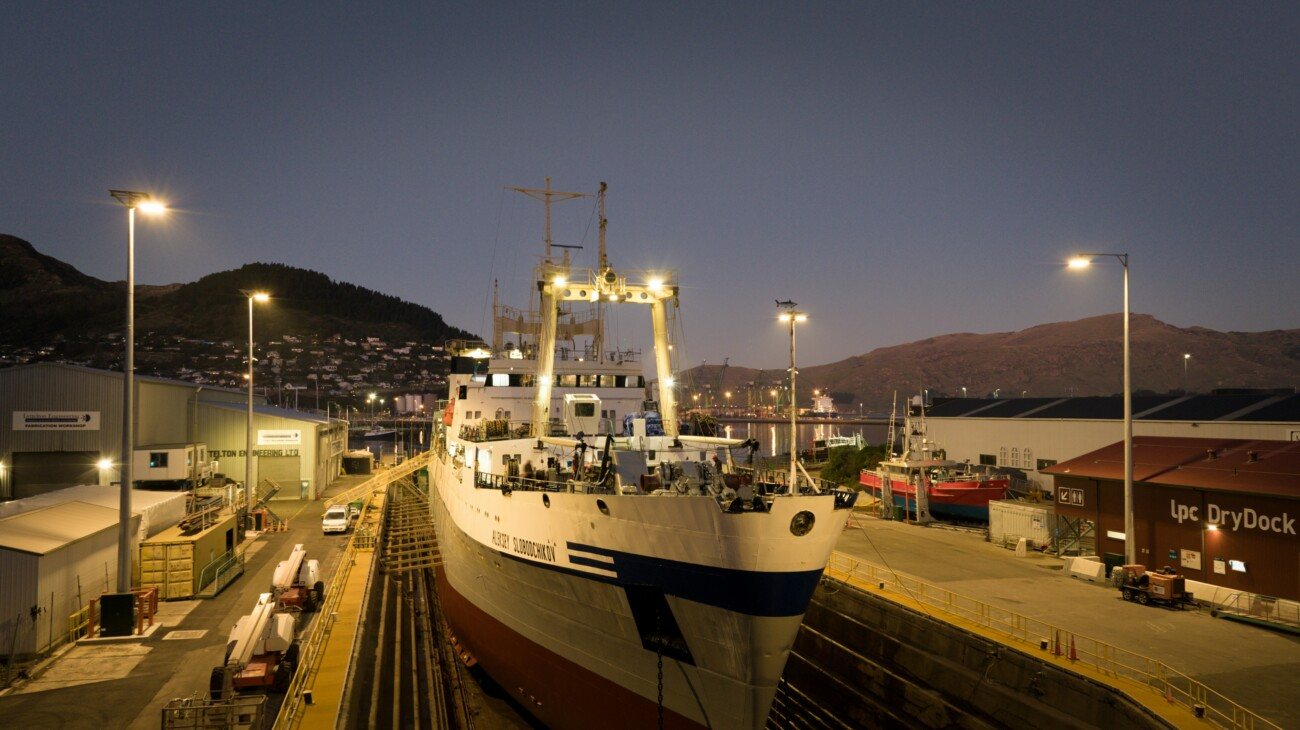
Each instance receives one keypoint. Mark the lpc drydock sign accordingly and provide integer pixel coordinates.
(279, 437)
(56, 420)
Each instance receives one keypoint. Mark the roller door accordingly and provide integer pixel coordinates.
(37, 472)
(285, 470)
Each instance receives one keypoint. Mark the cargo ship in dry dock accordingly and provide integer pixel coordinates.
(604, 568)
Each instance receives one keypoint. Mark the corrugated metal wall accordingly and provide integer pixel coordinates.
(57, 585)
(225, 431)
(1058, 440)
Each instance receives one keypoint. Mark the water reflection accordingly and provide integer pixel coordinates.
(774, 439)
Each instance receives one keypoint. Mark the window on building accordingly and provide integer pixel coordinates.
(607, 381)
(1044, 463)
(567, 381)
(157, 459)
(1002, 456)
(1015, 457)
(584, 410)
(988, 460)
(1028, 456)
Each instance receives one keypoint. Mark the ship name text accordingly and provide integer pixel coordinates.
(527, 548)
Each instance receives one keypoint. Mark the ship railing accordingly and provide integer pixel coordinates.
(1141, 677)
(501, 482)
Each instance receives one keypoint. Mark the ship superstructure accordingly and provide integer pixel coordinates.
(605, 568)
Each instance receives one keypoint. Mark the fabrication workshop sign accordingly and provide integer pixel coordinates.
(56, 420)
(279, 437)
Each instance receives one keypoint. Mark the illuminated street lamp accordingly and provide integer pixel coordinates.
(132, 200)
(1083, 261)
(249, 491)
(789, 314)
(1186, 356)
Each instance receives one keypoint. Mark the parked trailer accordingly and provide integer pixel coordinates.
(1164, 586)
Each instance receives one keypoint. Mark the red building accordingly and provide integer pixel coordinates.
(1221, 511)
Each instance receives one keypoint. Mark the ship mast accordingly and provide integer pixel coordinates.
(547, 196)
(599, 340)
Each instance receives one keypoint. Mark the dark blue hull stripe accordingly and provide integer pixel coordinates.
(749, 592)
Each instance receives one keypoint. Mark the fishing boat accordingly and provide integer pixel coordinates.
(922, 482)
(604, 568)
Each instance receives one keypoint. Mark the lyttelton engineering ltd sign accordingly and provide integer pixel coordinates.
(56, 420)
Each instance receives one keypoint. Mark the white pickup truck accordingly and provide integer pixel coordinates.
(336, 519)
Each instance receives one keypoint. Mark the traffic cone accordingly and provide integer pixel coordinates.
(1056, 643)
(1074, 656)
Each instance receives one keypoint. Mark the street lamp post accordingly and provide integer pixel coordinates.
(132, 200)
(791, 315)
(1186, 356)
(1083, 261)
(249, 491)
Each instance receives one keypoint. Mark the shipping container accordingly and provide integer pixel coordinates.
(1010, 520)
(180, 563)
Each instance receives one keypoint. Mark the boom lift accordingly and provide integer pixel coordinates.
(261, 652)
(296, 583)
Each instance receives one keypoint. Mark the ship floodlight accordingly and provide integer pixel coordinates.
(668, 382)
(560, 281)
(595, 295)
(613, 297)
(801, 318)
(655, 284)
(104, 463)
(1079, 262)
(783, 317)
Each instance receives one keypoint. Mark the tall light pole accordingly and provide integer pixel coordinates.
(791, 315)
(132, 200)
(250, 492)
(1083, 261)
(1186, 356)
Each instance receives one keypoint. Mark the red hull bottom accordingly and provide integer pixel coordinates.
(557, 691)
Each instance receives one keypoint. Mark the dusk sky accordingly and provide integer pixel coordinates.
(899, 170)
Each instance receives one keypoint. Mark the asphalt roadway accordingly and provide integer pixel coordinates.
(1255, 667)
(125, 685)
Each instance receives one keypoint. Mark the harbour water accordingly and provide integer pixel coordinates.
(774, 438)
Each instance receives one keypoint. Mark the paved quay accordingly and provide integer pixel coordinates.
(1255, 667)
(108, 686)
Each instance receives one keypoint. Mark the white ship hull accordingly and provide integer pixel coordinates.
(542, 596)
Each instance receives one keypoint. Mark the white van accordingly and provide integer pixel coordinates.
(335, 519)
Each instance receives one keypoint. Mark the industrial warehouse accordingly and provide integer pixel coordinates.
(1221, 512)
(1029, 435)
(64, 428)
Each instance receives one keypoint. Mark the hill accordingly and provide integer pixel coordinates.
(46, 300)
(1082, 357)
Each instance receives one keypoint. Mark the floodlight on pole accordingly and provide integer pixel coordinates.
(132, 200)
(790, 315)
(250, 492)
(1082, 261)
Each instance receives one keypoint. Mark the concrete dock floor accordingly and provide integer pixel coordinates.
(1255, 667)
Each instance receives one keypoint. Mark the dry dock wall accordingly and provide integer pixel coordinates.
(861, 661)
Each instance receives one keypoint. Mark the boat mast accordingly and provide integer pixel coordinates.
(598, 342)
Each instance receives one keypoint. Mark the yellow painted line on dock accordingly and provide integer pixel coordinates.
(1171, 712)
(329, 676)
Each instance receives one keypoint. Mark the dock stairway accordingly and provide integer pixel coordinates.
(272, 522)
(1265, 611)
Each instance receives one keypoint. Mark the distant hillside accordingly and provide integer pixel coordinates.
(1083, 357)
(45, 299)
